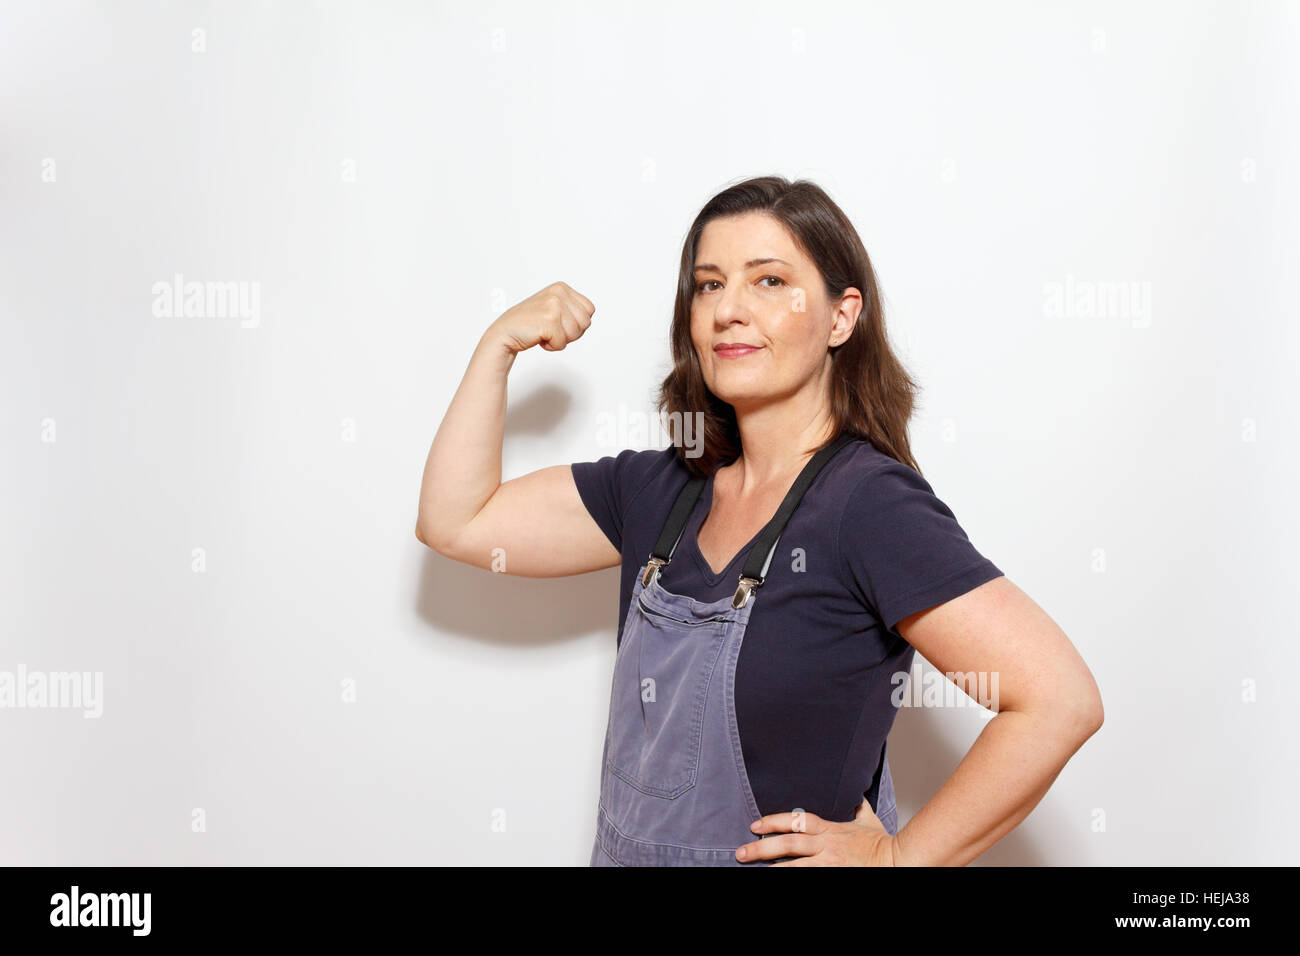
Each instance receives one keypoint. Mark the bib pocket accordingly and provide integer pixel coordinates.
(661, 682)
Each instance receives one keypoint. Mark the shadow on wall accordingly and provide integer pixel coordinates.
(510, 610)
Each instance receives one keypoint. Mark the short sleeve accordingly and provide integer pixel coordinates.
(609, 484)
(901, 547)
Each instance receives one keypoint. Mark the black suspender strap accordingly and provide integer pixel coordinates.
(760, 557)
(673, 528)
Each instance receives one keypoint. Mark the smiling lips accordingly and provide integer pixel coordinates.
(735, 349)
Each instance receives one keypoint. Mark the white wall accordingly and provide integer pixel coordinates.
(984, 154)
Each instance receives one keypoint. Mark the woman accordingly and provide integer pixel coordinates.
(801, 530)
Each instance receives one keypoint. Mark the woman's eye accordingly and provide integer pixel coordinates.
(700, 286)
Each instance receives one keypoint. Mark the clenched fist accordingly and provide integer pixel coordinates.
(552, 318)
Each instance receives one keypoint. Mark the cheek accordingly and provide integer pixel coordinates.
(796, 339)
(700, 329)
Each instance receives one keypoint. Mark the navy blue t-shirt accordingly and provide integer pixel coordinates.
(869, 544)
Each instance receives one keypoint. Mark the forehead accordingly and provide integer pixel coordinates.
(732, 241)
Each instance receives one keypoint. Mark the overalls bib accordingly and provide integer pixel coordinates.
(673, 789)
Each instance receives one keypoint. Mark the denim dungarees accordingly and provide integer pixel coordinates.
(673, 789)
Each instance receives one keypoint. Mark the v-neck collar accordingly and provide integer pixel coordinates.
(706, 497)
(704, 506)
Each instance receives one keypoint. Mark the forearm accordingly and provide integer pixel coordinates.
(463, 469)
(1003, 776)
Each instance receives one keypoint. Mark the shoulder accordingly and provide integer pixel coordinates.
(899, 544)
(612, 487)
(628, 472)
(884, 495)
(862, 469)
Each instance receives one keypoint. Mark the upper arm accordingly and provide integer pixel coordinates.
(997, 629)
(535, 525)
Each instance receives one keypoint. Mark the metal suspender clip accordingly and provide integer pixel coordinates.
(652, 566)
(747, 585)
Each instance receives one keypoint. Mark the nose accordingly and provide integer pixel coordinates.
(730, 306)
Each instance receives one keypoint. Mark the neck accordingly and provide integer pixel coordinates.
(775, 442)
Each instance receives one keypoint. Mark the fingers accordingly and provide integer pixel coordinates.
(588, 308)
(778, 845)
(792, 834)
(559, 331)
(567, 314)
(796, 821)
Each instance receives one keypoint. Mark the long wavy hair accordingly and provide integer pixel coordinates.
(872, 394)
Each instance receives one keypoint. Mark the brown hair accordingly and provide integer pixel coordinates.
(872, 395)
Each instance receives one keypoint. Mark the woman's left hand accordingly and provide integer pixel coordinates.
(813, 841)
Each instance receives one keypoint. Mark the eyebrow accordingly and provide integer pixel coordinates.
(748, 265)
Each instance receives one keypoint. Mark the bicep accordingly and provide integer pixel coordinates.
(537, 526)
(997, 629)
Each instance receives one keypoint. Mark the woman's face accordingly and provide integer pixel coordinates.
(753, 287)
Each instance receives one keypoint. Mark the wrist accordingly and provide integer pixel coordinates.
(498, 350)
(892, 854)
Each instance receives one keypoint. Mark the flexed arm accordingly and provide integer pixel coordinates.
(465, 511)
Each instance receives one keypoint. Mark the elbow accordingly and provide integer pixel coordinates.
(424, 530)
(1091, 722)
(1087, 714)
(1081, 705)
(1070, 719)
(432, 539)
(425, 536)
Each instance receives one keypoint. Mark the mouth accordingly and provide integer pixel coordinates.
(734, 349)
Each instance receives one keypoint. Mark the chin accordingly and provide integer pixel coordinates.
(740, 394)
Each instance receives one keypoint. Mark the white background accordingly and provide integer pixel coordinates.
(1137, 478)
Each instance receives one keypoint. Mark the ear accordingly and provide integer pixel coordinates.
(846, 316)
